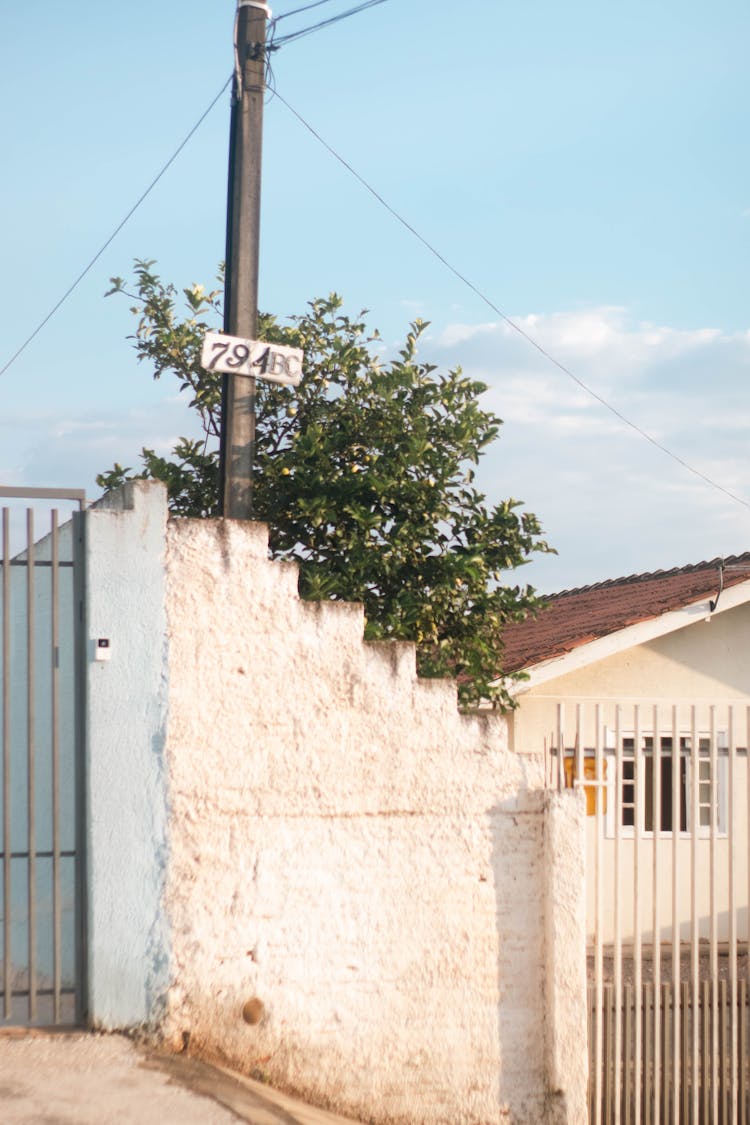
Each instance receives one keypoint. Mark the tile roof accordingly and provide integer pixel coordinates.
(575, 617)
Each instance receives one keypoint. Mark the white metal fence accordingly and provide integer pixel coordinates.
(668, 883)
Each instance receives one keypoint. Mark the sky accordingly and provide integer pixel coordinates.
(585, 166)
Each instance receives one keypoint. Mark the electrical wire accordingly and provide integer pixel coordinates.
(236, 78)
(508, 320)
(298, 11)
(284, 39)
(274, 45)
(116, 231)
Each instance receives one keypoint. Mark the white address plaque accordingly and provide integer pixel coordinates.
(236, 356)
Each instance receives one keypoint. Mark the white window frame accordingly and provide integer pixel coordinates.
(613, 785)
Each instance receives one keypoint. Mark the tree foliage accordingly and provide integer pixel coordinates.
(364, 474)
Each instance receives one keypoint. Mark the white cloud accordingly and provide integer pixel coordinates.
(72, 450)
(610, 501)
(598, 342)
(459, 333)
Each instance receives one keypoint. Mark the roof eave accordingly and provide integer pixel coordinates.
(632, 635)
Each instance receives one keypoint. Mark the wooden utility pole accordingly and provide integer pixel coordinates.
(242, 253)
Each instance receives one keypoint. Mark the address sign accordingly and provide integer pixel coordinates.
(235, 356)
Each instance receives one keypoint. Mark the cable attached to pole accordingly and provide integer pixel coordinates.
(509, 320)
(115, 232)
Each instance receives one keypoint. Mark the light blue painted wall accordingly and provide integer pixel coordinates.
(127, 809)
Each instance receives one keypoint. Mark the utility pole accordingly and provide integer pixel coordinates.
(242, 253)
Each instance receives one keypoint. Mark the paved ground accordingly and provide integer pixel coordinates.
(106, 1080)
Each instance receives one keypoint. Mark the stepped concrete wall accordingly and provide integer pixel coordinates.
(364, 897)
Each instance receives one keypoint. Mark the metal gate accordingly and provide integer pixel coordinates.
(42, 888)
(668, 885)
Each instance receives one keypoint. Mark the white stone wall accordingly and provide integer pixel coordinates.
(363, 871)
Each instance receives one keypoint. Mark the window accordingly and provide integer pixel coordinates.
(665, 812)
(637, 785)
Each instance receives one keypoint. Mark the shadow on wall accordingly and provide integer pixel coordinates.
(517, 865)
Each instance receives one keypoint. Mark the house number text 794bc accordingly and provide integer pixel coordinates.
(235, 356)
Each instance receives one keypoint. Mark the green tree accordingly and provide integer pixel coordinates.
(364, 474)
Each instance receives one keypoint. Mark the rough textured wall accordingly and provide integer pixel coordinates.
(349, 852)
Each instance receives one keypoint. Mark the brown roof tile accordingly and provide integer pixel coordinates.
(575, 617)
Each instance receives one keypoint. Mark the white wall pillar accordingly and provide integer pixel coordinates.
(566, 1032)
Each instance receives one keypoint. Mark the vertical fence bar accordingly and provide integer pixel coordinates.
(667, 1027)
(676, 934)
(656, 919)
(639, 759)
(745, 1051)
(742, 1045)
(686, 1100)
(723, 1051)
(560, 747)
(55, 739)
(31, 757)
(713, 911)
(694, 951)
(598, 942)
(579, 770)
(628, 1052)
(731, 797)
(617, 947)
(706, 1068)
(7, 984)
(80, 804)
(648, 1053)
(608, 1061)
(728, 1114)
(589, 1041)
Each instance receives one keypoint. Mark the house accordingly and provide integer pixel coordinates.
(638, 691)
(629, 677)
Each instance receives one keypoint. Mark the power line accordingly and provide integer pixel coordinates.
(271, 47)
(396, 215)
(508, 320)
(284, 39)
(116, 231)
(297, 11)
